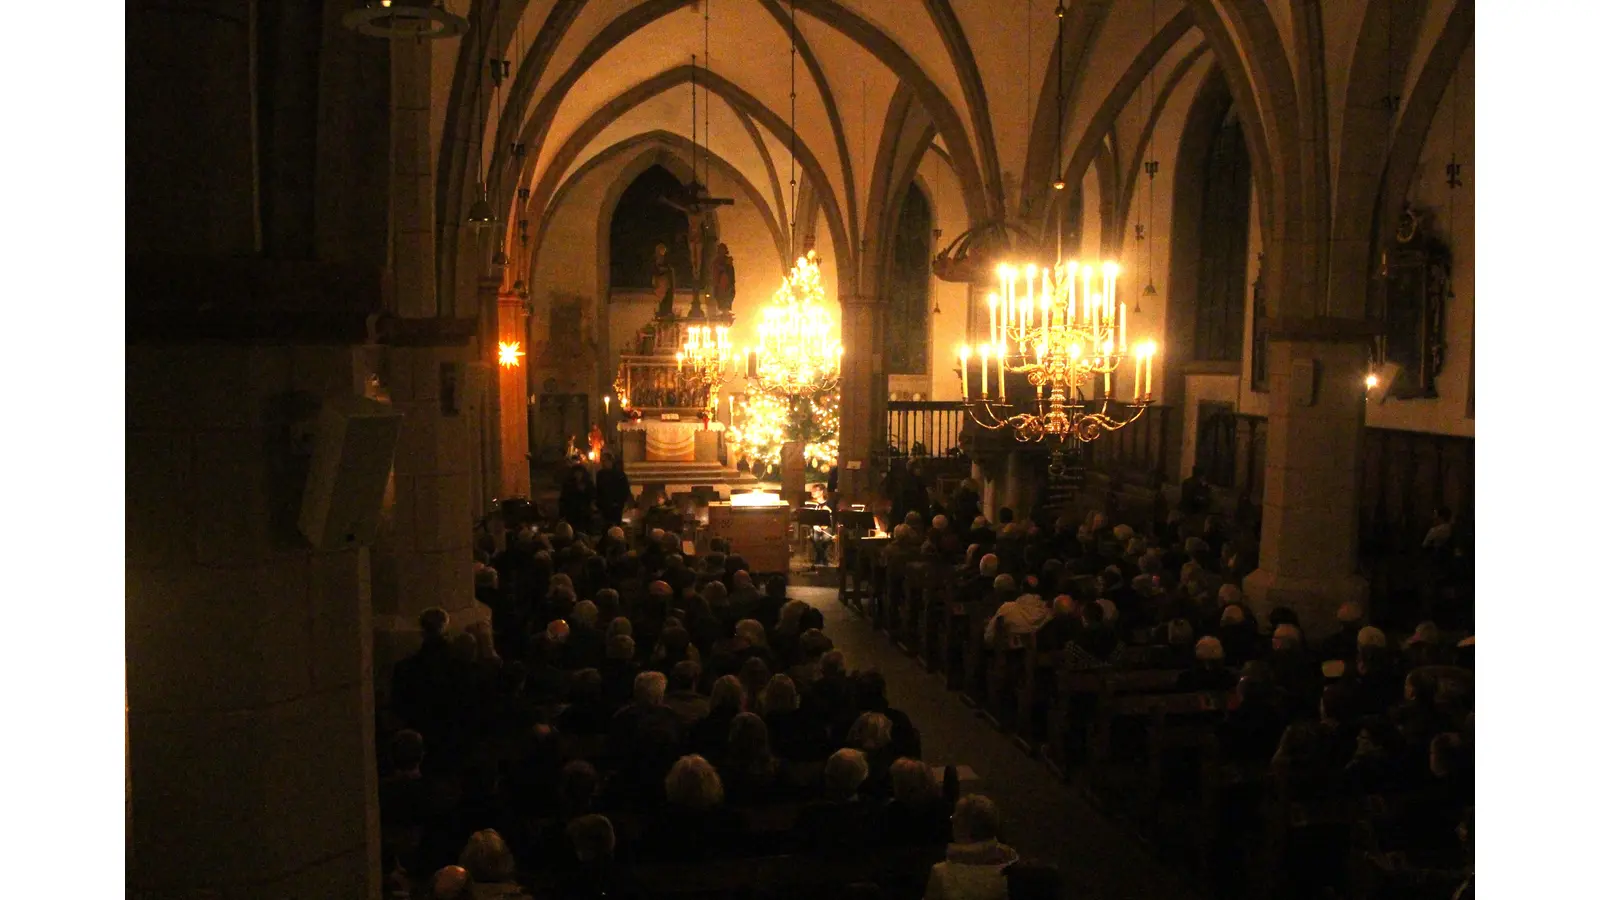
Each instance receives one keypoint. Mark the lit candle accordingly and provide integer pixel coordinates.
(1027, 315)
(1011, 292)
(1001, 366)
(994, 303)
(983, 367)
(966, 393)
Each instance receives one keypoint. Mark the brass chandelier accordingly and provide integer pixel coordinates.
(704, 358)
(1068, 336)
(798, 354)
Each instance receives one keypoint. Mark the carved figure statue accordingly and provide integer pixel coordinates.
(661, 282)
(722, 280)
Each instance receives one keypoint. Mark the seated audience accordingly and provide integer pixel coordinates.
(975, 862)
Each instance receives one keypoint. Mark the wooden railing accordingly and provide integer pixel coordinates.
(1138, 448)
(924, 429)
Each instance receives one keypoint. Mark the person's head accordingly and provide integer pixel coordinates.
(747, 739)
(1372, 636)
(452, 883)
(684, 676)
(1109, 609)
(693, 783)
(742, 581)
(716, 594)
(755, 674)
(780, 695)
(751, 632)
(576, 787)
(976, 819)
(433, 622)
(660, 593)
(621, 625)
(487, 858)
(1063, 605)
(1208, 650)
(989, 566)
(727, 692)
(871, 732)
(557, 631)
(620, 647)
(844, 773)
(593, 838)
(1233, 614)
(587, 686)
(649, 688)
(1005, 585)
(941, 522)
(832, 663)
(406, 750)
(1230, 594)
(789, 615)
(1093, 615)
(1286, 638)
(813, 643)
(914, 784)
(585, 613)
(1426, 634)
(1350, 614)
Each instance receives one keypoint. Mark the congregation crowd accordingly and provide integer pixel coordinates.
(1361, 713)
(625, 707)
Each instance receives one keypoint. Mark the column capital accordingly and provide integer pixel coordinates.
(1321, 329)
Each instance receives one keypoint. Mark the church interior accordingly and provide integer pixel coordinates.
(800, 448)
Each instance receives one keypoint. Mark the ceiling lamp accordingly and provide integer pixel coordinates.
(798, 354)
(1068, 336)
(480, 215)
(405, 19)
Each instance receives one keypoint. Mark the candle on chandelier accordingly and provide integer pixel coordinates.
(983, 367)
(1001, 366)
(1027, 315)
(1011, 294)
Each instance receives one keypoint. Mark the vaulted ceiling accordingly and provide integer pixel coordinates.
(873, 79)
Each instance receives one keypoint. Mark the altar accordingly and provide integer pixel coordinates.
(660, 441)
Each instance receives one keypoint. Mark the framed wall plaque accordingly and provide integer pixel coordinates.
(1416, 283)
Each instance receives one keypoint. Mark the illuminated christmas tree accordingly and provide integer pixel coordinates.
(771, 420)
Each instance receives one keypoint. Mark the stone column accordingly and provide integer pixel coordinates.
(863, 395)
(1310, 505)
(515, 478)
(250, 707)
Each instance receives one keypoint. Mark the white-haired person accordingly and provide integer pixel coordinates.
(644, 737)
(1024, 615)
(975, 861)
(1209, 671)
(843, 822)
(695, 824)
(492, 867)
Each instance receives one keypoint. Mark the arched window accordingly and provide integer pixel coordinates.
(908, 286)
(1222, 292)
(640, 222)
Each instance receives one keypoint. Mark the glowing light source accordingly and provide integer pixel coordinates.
(797, 354)
(1372, 382)
(511, 354)
(1068, 346)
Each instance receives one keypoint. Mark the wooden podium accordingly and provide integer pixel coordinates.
(760, 534)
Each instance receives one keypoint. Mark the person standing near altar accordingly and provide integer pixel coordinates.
(612, 489)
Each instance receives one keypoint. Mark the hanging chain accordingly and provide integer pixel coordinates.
(794, 212)
(706, 179)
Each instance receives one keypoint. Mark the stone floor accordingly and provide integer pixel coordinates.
(1045, 820)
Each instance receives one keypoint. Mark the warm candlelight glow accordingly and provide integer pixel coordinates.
(511, 354)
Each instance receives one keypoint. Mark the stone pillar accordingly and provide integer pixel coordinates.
(191, 168)
(1310, 505)
(514, 473)
(250, 706)
(863, 395)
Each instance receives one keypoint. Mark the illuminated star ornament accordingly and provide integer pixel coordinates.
(511, 354)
